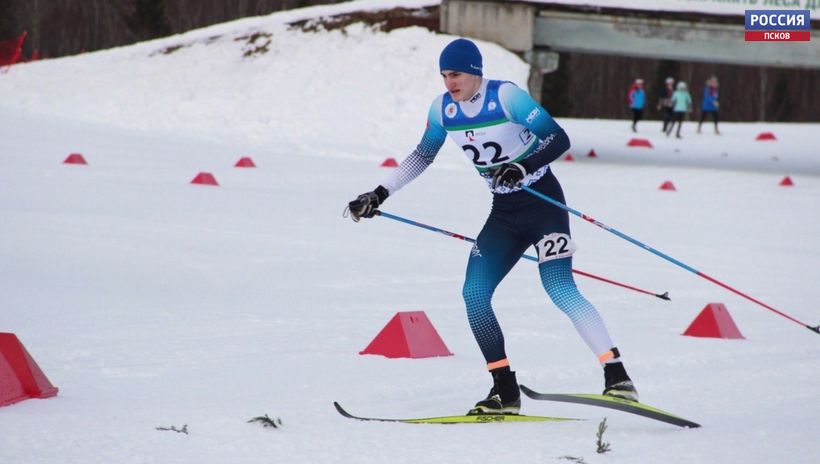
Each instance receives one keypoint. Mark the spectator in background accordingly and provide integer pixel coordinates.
(636, 99)
(665, 102)
(710, 103)
(681, 104)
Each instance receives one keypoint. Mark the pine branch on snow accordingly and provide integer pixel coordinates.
(173, 428)
(267, 421)
(603, 447)
(574, 459)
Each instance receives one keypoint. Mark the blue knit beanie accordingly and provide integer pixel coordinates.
(461, 55)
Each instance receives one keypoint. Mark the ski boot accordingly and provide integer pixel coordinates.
(504, 397)
(617, 383)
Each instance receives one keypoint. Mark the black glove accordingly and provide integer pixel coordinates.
(366, 204)
(508, 175)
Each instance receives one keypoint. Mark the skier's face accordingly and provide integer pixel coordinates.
(460, 85)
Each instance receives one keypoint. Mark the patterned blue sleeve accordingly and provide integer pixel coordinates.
(520, 108)
(424, 154)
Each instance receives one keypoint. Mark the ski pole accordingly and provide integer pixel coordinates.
(672, 260)
(664, 296)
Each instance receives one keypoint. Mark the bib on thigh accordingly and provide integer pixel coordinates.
(555, 246)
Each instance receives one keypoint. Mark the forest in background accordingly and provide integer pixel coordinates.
(67, 27)
(584, 86)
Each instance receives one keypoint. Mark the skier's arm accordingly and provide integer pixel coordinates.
(520, 108)
(367, 204)
(424, 154)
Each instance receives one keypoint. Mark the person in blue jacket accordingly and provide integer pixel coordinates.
(511, 141)
(710, 103)
(636, 97)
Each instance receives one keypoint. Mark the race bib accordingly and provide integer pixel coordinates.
(555, 246)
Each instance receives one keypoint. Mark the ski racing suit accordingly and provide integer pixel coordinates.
(501, 124)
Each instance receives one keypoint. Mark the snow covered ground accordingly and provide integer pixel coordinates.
(151, 302)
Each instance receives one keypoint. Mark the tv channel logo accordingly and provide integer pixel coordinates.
(778, 25)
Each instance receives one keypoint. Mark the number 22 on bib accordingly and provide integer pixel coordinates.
(555, 246)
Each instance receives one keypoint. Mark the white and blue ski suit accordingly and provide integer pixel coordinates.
(501, 124)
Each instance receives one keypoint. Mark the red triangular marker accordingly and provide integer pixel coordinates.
(766, 136)
(75, 158)
(592, 154)
(668, 185)
(639, 143)
(245, 162)
(204, 178)
(20, 376)
(390, 163)
(569, 157)
(787, 182)
(714, 321)
(408, 335)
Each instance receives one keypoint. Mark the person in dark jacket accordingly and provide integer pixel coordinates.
(665, 102)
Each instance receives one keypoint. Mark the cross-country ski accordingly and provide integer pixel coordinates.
(459, 419)
(610, 402)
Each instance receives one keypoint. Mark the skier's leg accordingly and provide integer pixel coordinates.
(679, 117)
(556, 276)
(550, 233)
(495, 252)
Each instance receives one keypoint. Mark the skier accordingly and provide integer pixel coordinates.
(511, 140)
(681, 104)
(636, 97)
(710, 104)
(665, 102)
